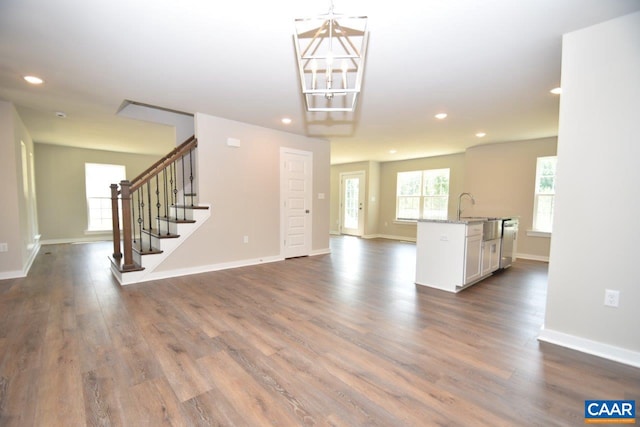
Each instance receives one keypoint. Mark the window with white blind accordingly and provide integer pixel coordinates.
(98, 178)
(422, 194)
(545, 192)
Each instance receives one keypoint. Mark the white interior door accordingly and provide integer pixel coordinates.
(352, 203)
(295, 195)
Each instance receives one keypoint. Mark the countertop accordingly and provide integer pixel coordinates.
(466, 220)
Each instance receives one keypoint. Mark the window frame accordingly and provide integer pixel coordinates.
(101, 195)
(422, 197)
(539, 221)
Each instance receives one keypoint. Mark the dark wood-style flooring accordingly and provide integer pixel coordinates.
(344, 339)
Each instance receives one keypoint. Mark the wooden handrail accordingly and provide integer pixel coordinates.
(167, 159)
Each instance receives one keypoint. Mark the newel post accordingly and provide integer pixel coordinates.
(125, 195)
(115, 221)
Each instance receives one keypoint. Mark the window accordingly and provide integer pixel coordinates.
(422, 194)
(98, 178)
(544, 193)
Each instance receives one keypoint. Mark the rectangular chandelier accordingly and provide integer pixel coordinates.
(330, 51)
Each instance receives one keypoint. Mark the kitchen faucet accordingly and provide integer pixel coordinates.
(473, 201)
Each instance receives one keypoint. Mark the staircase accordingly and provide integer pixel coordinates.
(159, 211)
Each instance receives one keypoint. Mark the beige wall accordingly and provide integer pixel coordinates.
(387, 226)
(595, 239)
(373, 200)
(243, 187)
(501, 178)
(18, 223)
(60, 180)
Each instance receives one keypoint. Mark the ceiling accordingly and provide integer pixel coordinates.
(489, 64)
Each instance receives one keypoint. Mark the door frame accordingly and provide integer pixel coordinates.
(363, 186)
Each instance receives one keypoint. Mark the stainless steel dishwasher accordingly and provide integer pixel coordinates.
(509, 237)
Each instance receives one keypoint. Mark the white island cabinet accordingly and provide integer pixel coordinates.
(450, 254)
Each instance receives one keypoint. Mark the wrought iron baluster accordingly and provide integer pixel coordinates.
(141, 213)
(174, 188)
(191, 175)
(149, 209)
(165, 192)
(158, 204)
(139, 219)
(184, 191)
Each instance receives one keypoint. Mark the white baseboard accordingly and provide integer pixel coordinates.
(96, 238)
(320, 252)
(606, 351)
(533, 257)
(158, 275)
(391, 237)
(16, 274)
(380, 236)
(32, 257)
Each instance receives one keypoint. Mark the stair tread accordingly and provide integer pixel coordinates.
(190, 207)
(146, 251)
(176, 220)
(156, 233)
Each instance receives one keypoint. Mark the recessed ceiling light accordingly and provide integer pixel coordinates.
(286, 120)
(33, 80)
(61, 114)
(441, 116)
(556, 91)
(481, 134)
(393, 151)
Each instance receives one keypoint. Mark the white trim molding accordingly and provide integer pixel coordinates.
(17, 274)
(533, 257)
(536, 233)
(390, 237)
(606, 351)
(96, 238)
(324, 251)
(158, 275)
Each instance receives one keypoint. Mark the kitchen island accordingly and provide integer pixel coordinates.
(453, 254)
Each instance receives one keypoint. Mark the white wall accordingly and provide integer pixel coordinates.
(18, 224)
(596, 232)
(182, 123)
(243, 186)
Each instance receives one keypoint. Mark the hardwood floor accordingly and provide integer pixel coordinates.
(345, 339)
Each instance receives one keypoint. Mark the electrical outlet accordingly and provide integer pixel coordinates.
(4, 247)
(246, 239)
(611, 298)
